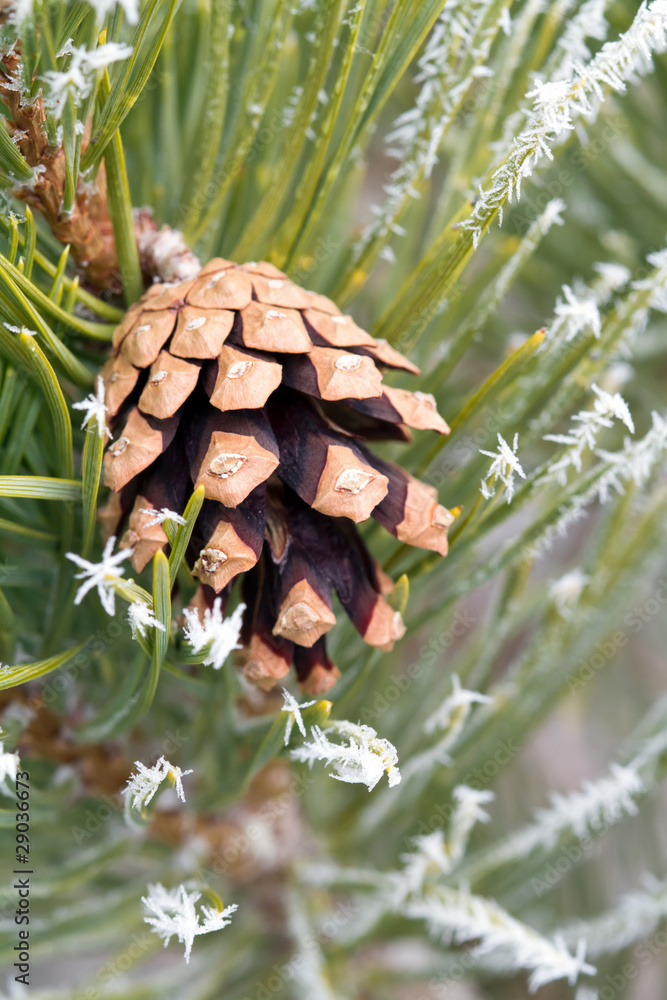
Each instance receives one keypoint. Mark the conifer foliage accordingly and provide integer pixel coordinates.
(332, 336)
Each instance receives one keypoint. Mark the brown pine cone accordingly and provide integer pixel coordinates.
(266, 394)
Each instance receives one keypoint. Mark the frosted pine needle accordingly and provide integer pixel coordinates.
(95, 408)
(575, 315)
(103, 575)
(9, 764)
(557, 104)
(173, 914)
(142, 786)
(216, 636)
(104, 7)
(583, 436)
(467, 813)
(162, 515)
(505, 464)
(364, 759)
(293, 709)
(457, 917)
(141, 617)
(77, 78)
(565, 592)
(455, 708)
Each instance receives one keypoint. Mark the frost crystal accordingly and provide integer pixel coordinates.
(293, 709)
(582, 437)
(457, 917)
(141, 617)
(364, 759)
(446, 77)
(558, 103)
(455, 708)
(9, 764)
(130, 7)
(102, 575)
(174, 915)
(566, 591)
(575, 315)
(77, 78)
(468, 811)
(217, 636)
(599, 805)
(95, 407)
(142, 786)
(505, 464)
(19, 10)
(160, 516)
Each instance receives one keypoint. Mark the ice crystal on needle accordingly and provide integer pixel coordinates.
(293, 709)
(455, 708)
(505, 464)
(9, 764)
(160, 516)
(141, 617)
(218, 636)
(364, 759)
(575, 315)
(583, 436)
(557, 104)
(77, 78)
(103, 575)
(173, 914)
(565, 592)
(458, 917)
(95, 408)
(142, 786)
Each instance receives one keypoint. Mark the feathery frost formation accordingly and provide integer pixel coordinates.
(558, 104)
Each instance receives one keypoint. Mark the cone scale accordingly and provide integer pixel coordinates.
(264, 394)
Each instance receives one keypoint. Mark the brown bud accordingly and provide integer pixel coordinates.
(303, 616)
(268, 656)
(262, 268)
(321, 466)
(398, 406)
(233, 539)
(348, 487)
(322, 304)
(268, 660)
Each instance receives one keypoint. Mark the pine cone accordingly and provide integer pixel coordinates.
(264, 393)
